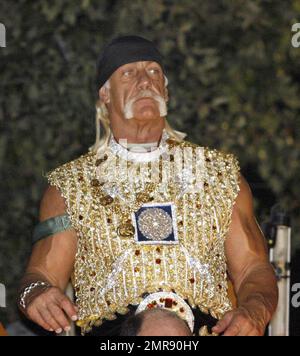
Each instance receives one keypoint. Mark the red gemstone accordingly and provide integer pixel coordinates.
(168, 303)
(158, 261)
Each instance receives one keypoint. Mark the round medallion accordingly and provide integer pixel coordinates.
(155, 224)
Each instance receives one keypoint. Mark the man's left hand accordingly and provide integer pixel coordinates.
(240, 322)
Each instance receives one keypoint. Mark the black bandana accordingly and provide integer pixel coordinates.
(124, 50)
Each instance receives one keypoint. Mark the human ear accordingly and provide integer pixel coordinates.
(104, 95)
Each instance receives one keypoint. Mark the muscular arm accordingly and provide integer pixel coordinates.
(52, 261)
(250, 271)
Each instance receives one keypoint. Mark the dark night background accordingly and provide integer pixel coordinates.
(234, 85)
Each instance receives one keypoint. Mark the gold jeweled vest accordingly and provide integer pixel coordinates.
(149, 222)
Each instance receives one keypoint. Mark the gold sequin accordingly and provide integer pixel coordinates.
(143, 197)
(101, 160)
(95, 183)
(106, 200)
(126, 230)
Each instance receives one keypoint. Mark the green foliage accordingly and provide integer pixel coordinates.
(234, 85)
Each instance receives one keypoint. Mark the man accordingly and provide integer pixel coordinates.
(151, 222)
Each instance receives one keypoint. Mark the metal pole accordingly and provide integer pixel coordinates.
(280, 256)
(279, 238)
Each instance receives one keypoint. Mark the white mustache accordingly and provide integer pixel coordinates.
(128, 110)
(145, 94)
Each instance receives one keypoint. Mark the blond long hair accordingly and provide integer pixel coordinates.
(103, 123)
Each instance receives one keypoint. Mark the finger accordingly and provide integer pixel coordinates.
(41, 322)
(47, 316)
(59, 316)
(69, 308)
(223, 324)
(38, 319)
(232, 330)
(34, 314)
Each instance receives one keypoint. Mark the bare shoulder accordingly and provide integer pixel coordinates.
(244, 199)
(244, 185)
(52, 203)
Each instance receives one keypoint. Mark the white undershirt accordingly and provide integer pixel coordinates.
(142, 147)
